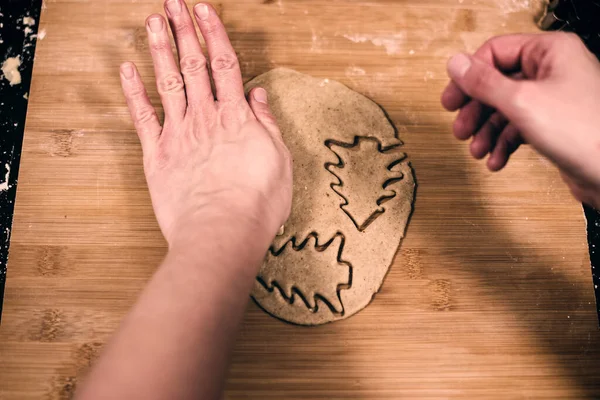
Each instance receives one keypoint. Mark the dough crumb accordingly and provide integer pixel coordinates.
(10, 69)
(28, 21)
(4, 186)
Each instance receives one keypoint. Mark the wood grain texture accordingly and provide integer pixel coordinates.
(489, 297)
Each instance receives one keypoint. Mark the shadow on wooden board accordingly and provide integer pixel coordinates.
(265, 341)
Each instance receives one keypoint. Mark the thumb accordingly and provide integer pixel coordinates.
(258, 100)
(483, 82)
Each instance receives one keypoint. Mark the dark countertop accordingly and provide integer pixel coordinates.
(17, 39)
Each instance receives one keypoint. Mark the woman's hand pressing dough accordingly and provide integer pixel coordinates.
(218, 157)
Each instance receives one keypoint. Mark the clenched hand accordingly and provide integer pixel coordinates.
(535, 89)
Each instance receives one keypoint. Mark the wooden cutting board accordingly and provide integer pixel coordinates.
(489, 297)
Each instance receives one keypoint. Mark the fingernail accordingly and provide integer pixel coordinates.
(156, 24)
(201, 11)
(127, 71)
(459, 65)
(260, 95)
(174, 7)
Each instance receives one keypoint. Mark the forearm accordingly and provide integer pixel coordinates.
(176, 341)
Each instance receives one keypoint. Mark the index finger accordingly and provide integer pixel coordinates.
(503, 52)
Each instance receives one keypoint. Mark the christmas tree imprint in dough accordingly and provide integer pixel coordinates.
(357, 185)
(305, 282)
(352, 199)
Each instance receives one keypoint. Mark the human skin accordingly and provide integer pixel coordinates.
(220, 179)
(540, 89)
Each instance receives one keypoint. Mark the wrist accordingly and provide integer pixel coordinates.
(245, 216)
(232, 243)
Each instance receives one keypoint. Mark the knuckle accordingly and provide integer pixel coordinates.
(240, 105)
(171, 83)
(135, 92)
(193, 64)
(266, 117)
(224, 62)
(183, 29)
(228, 117)
(145, 114)
(160, 46)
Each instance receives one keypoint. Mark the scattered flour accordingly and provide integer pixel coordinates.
(513, 6)
(10, 69)
(41, 34)
(4, 186)
(281, 7)
(355, 71)
(317, 41)
(391, 42)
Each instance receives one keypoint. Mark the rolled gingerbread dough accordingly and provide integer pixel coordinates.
(353, 194)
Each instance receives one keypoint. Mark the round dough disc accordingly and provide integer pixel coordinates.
(353, 194)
